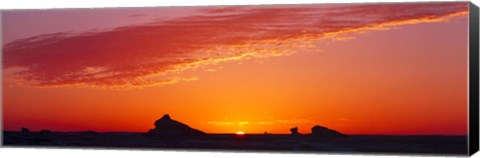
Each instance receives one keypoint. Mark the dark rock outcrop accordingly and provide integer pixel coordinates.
(324, 132)
(294, 131)
(25, 130)
(165, 127)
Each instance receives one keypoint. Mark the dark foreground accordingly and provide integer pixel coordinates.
(432, 145)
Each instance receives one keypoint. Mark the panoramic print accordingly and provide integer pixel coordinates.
(350, 78)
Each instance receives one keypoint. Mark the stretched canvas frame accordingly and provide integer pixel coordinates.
(474, 88)
(165, 128)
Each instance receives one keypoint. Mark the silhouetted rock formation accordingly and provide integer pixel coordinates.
(165, 127)
(320, 131)
(294, 131)
(25, 130)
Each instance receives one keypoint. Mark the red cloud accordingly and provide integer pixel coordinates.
(146, 55)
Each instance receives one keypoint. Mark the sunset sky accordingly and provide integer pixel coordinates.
(387, 68)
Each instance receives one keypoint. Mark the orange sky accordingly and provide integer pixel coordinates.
(359, 69)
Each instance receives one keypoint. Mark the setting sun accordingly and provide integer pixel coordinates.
(240, 133)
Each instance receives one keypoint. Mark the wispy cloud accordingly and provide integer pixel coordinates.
(158, 53)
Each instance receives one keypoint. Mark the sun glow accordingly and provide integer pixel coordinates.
(240, 133)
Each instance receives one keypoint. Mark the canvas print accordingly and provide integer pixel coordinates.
(350, 78)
